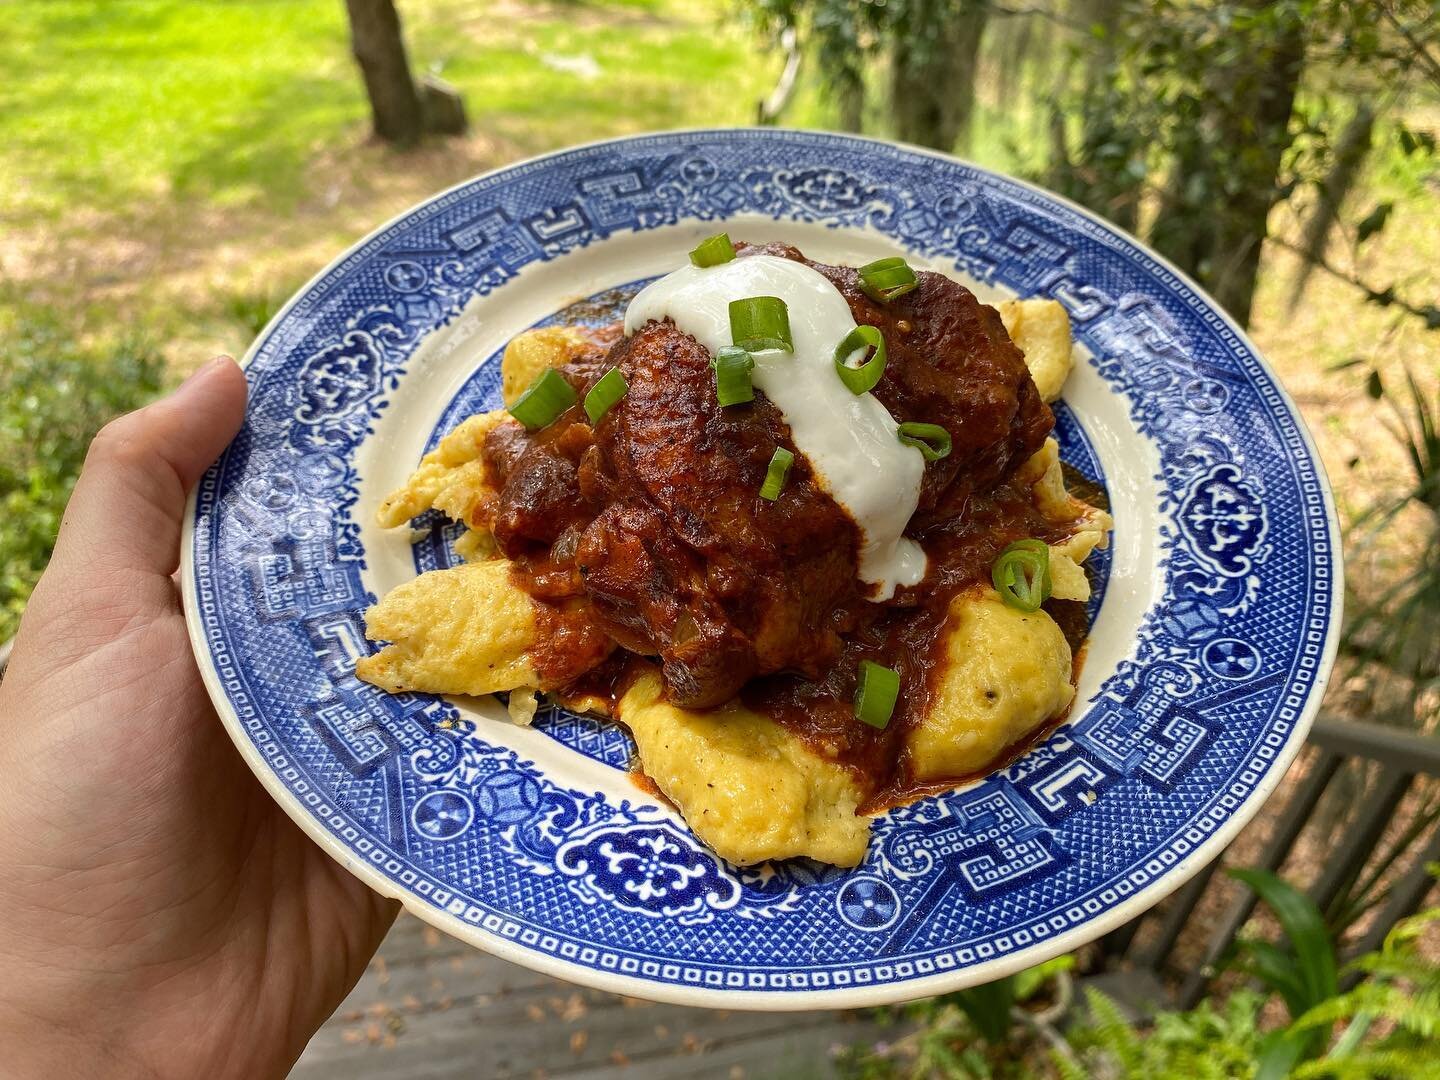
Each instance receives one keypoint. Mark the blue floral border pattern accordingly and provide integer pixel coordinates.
(1175, 742)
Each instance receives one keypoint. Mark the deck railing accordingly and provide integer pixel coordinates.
(1384, 766)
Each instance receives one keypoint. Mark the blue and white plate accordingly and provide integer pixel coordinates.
(1213, 634)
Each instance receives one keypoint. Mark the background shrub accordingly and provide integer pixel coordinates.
(54, 395)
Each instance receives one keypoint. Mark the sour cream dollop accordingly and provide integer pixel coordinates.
(850, 440)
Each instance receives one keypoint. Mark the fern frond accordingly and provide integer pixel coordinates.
(1411, 1063)
(1068, 1068)
(1112, 1034)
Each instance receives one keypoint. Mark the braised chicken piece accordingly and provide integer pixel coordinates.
(950, 362)
(687, 560)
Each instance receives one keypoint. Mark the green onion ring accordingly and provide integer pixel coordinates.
(713, 250)
(775, 473)
(862, 378)
(885, 279)
(1021, 574)
(544, 400)
(733, 385)
(932, 440)
(758, 323)
(876, 694)
(606, 392)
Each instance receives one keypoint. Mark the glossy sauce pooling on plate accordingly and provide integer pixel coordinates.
(849, 439)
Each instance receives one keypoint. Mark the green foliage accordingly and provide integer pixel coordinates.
(988, 1008)
(1391, 1018)
(968, 1035)
(1385, 1027)
(254, 310)
(1210, 1042)
(1400, 624)
(1303, 970)
(54, 396)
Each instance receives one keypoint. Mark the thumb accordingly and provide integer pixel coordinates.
(125, 515)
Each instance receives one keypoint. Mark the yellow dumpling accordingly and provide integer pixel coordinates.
(1006, 673)
(746, 786)
(1090, 526)
(466, 629)
(1041, 328)
(451, 478)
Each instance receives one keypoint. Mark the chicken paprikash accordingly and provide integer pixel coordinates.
(801, 528)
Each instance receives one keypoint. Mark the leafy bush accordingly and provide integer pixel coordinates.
(1384, 1027)
(1400, 626)
(54, 396)
(976, 1034)
(1210, 1042)
(1390, 1018)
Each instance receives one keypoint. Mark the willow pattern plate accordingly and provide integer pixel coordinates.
(1214, 621)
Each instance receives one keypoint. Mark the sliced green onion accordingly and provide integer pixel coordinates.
(1022, 574)
(865, 375)
(760, 322)
(780, 463)
(604, 394)
(876, 693)
(547, 397)
(733, 366)
(885, 279)
(932, 440)
(713, 250)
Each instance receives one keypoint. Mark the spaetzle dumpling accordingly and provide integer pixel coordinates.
(530, 353)
(746, 786)
(451, 478)
(1006, 672)
(466, 629)
(1090, 526)
(1041, 329)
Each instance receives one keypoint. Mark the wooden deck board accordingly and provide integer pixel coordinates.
(431, 1008)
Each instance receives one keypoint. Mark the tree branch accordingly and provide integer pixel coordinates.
(773, 104)
(1044, 13)
(1422, 53)
(1429, 315)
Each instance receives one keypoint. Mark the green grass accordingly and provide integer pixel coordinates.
(107, 104)
(674, 66)
(54, 396)
(116, 106)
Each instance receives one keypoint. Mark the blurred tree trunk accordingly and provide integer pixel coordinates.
(932, 71)
(380, 51)
(1224, 182)
(1106, 170)
(1101, 21)
(850, 98)
(1351, 149)
(1011, 53)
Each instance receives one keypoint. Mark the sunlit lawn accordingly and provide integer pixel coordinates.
(110, 106)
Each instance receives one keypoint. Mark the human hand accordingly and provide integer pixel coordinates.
(159, 914)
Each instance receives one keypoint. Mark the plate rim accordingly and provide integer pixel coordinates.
(806, 998)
